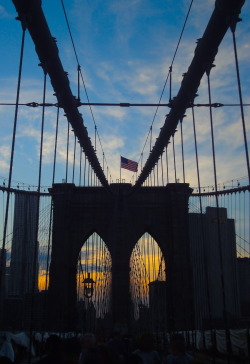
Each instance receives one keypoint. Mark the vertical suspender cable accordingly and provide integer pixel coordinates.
(91, 179)
(50, 219)
(244, 222)
(150, 140)
(182, 152)
(175, 178)
(162, 177)
(203, 233)
(84, 176)
(37, 214)
(95, 138)
(167, 163)
(78, 82)
(74, 162)
(157, 173)
(80, 175)
(67, 156)
(103, 161)
(88, 173)
(55, 149)
(233, 27)
(148, 265)
(79, 277)
(227, 332)
(12, 155)
(170, 83)
(107, 176)
(97, 278)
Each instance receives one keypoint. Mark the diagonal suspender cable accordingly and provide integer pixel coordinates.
(47, 52)
(169, 76)
(80, 74)
(205, 53)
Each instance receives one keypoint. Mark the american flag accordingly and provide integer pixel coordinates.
(128, 164)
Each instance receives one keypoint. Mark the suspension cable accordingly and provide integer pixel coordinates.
(37, 216)
(205, 51)
(175, 177)
(67, 154)
(74, 161)
(80, 173)
(162, 175)
(50, 218)
(182, 151)
(203, 233)
(168, 75)
(167, 163)
(233, 27)
(228, 342)
(12, 152)
(81, 75)
(55, 147)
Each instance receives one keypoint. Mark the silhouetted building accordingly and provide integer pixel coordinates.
(243, 265)
(210, 238)
(24, 251)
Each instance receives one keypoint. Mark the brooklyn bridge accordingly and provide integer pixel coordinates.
(154, 240)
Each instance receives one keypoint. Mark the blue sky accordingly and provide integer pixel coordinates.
(125, 50)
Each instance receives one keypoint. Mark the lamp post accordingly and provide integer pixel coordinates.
(88, 287)
(88, 291)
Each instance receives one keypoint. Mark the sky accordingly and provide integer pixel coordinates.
(125, 50)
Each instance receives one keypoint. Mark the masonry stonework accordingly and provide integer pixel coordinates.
(120, 216)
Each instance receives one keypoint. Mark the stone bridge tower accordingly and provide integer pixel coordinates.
(120, 218)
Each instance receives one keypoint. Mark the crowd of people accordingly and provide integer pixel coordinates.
(89, 349)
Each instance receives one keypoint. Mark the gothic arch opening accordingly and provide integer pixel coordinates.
(148, 284)
(94, 281)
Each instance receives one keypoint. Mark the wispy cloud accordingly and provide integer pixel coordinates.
(125, 51)
(4, 13)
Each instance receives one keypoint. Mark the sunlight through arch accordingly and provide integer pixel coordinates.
(147, 269)
(94, 262)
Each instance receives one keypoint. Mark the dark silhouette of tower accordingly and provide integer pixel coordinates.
(24, 251)
(120, 218)
(205, 247)
(243, 265)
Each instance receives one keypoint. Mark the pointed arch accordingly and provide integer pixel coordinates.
(147, 269)
(94, 261)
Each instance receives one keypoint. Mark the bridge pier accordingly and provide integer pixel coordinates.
(120, 218)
